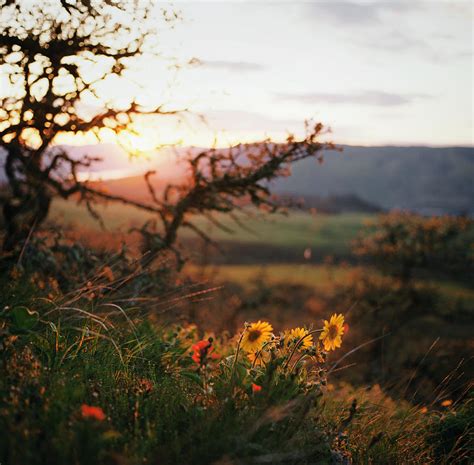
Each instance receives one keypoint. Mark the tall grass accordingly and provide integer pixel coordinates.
(89, 380)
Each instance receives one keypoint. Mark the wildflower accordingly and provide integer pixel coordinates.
(15, 273)
(446, 403)
(89, 411)
(263, 357)
(145, 386)
(332, 332)
(256, 334)
(256, 388)
(108, 273)
(203, 351)
(294, 336)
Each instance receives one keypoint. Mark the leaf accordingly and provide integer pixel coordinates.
(23, 318)
(193, 376)
(241, 371)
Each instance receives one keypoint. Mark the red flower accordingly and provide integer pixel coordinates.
(145, 385)
(256, 388)
(202, 351)
(96, 413)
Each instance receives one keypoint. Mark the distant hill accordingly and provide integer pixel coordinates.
(423, 179)
(344, 203)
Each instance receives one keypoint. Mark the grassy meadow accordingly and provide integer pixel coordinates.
(297, 268)
(322, 233)
(106, 363)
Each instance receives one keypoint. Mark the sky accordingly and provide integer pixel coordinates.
(374, 72)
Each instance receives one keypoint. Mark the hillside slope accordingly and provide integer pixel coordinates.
(423, 179)
(427, 180)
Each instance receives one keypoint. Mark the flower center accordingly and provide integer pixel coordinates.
(332, 333)
(254, 334)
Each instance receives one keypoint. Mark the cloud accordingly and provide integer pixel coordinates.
(436, 50)
(376, 18)
(367, 97)
(465, 54)
(345, 12)
(357, 12)
(238, 120)
(232, 66)
(396, 41)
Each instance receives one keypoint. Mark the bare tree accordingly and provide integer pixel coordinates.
(56, 57)
(223, 181)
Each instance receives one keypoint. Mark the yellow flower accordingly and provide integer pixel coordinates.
(294, 335)
(255, 335)
(263, 357)
(332, 332)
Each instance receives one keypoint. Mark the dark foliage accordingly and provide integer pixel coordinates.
(56, 58)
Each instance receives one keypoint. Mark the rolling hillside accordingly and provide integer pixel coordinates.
(423, 179)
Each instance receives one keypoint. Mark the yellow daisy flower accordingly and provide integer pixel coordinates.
(263, 357)
(332, 332)
(255, 335)
(294, 335)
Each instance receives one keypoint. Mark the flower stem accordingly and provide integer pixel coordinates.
(298, 344)
(236, 357)
(257, 354)
(297, 361)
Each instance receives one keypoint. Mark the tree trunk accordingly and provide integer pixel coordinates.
(29, 203)
(22, 215)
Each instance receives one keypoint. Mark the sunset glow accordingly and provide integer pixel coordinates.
(376, 73)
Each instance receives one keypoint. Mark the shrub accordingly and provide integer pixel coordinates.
(402, 242)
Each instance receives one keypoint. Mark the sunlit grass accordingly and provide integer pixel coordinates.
(321, 232)
(318, 277)
(314, 276)
(132, 391)
(135, 391)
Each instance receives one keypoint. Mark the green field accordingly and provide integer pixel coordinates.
(314, 276)
(322, 233)
(318, 277)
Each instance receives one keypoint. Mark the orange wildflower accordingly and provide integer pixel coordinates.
(145, 385)
(108, 273)
(89, 411)
(202, 351)
(256, 388)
